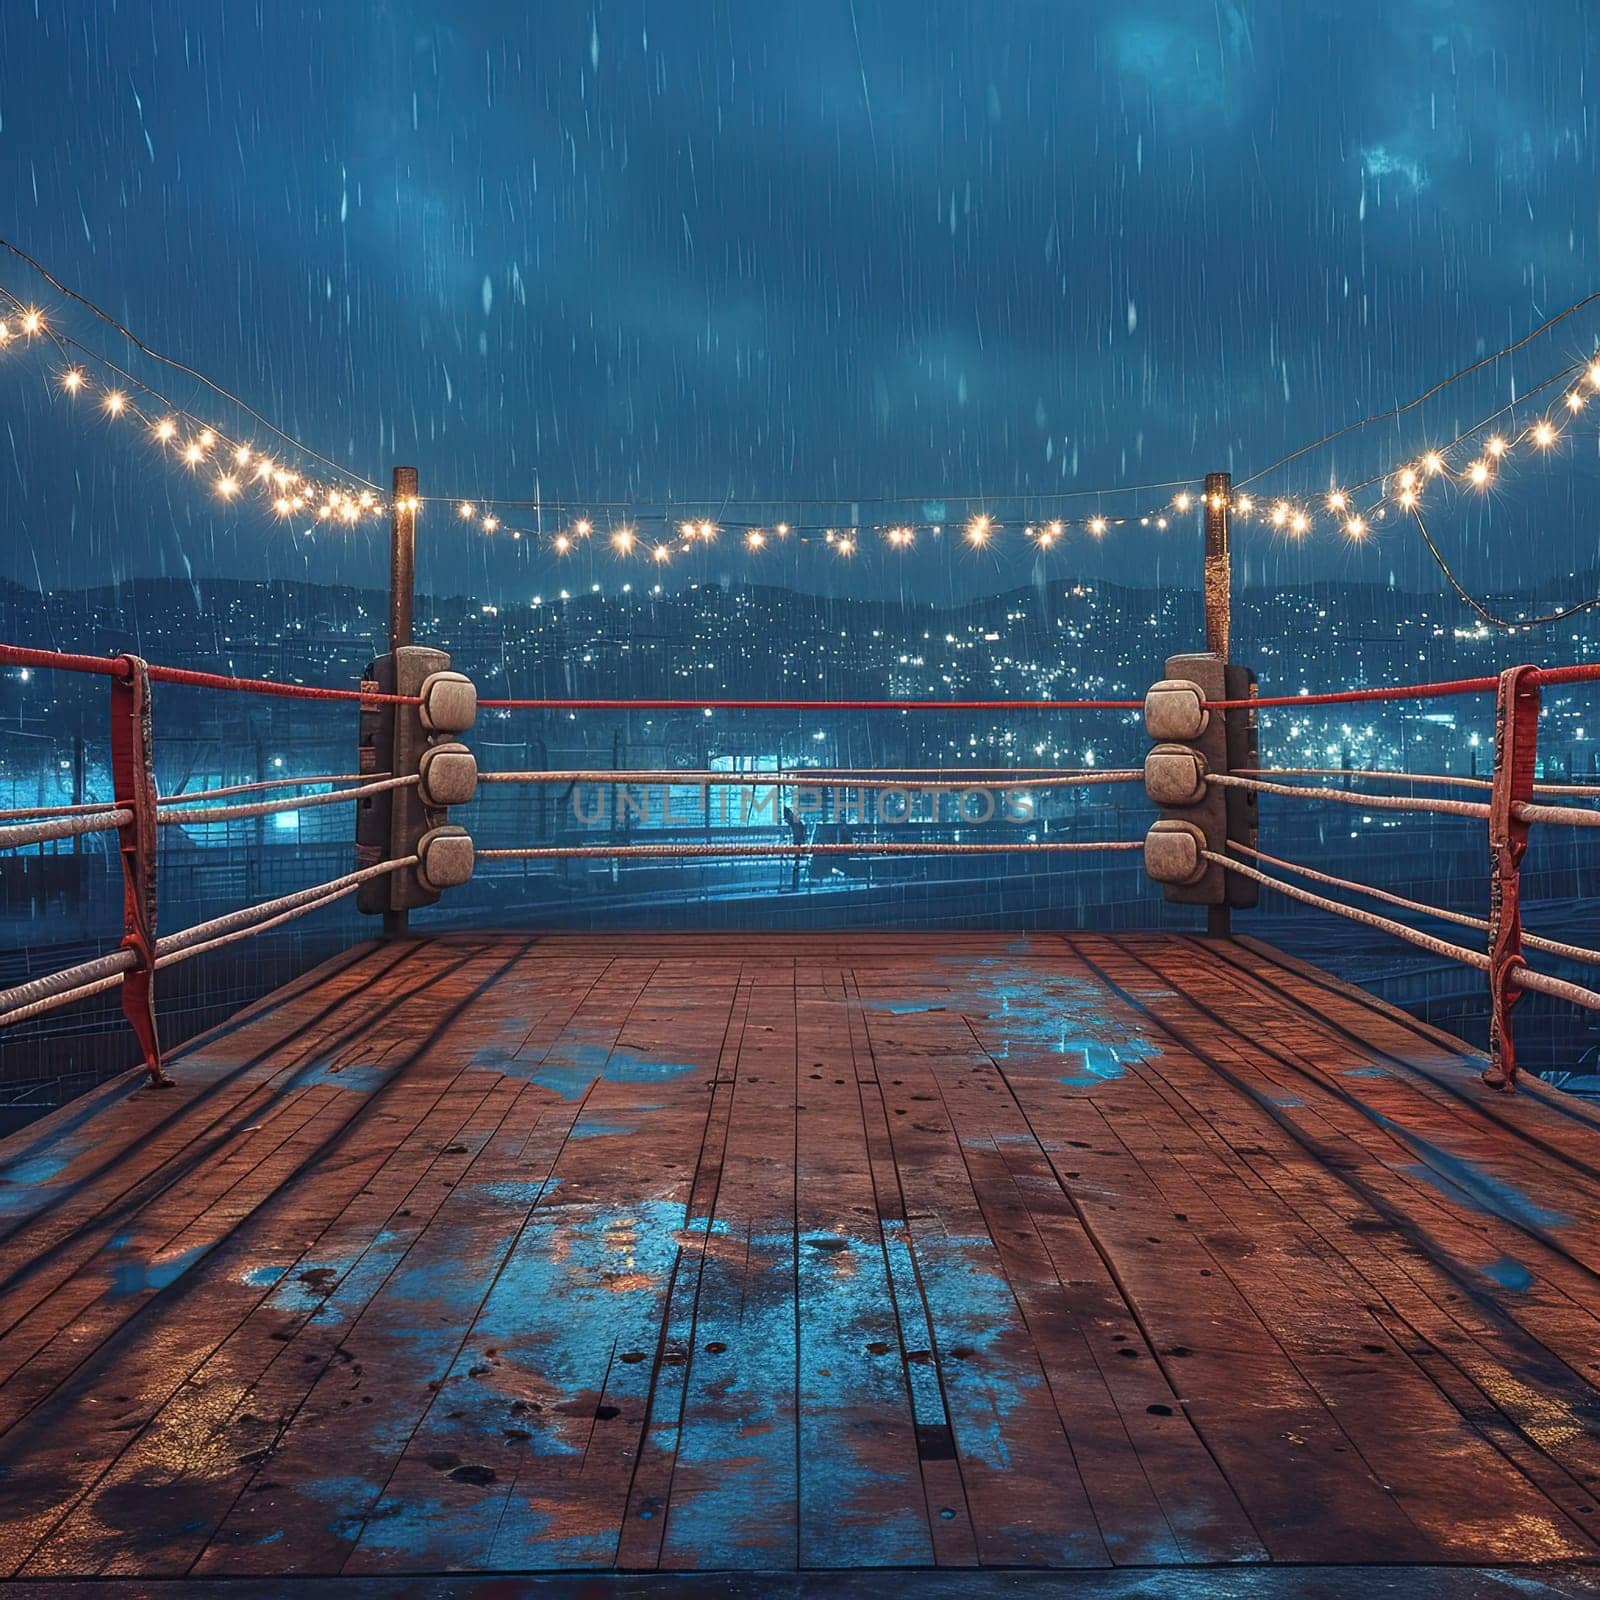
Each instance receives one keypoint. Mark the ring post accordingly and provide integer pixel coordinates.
(402, 596)
(1516, 748)
(134, 785)
(1218, 584)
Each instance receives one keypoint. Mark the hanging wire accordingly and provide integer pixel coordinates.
(1476, 605)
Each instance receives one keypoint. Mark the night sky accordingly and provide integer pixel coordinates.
(689, 255)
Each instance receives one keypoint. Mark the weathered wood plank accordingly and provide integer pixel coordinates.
(492, 1253)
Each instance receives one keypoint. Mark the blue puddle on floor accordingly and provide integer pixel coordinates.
(1042, 1014)
(570, 1069)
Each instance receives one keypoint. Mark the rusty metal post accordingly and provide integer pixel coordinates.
(1219, 562)
(1516, 748)
(402, 597)
(133, 780)
(402, 555)
(1218, 587)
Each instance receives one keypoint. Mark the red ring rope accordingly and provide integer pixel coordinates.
(16, 655)
(113, 667)
(812, 705)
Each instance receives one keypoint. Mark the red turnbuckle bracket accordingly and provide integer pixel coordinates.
(134, 783)
(1516, 747)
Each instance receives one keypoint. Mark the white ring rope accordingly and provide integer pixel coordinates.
(1569, 952)
(55, 811)
(1569, 816)
(1523, 977)
(1581, 790)
(299, 898)
(1459, 917)
(1542, 983)
(1355, 797)
(182, 798)
(812, 780)
(1371, 919)
(98, 821)
(169, 957)
(200, 816)
(43, 994)
(668, 852)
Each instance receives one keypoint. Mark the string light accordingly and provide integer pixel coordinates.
(203, 438)
(287, 492)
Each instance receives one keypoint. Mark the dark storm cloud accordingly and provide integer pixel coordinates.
(644, 250)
